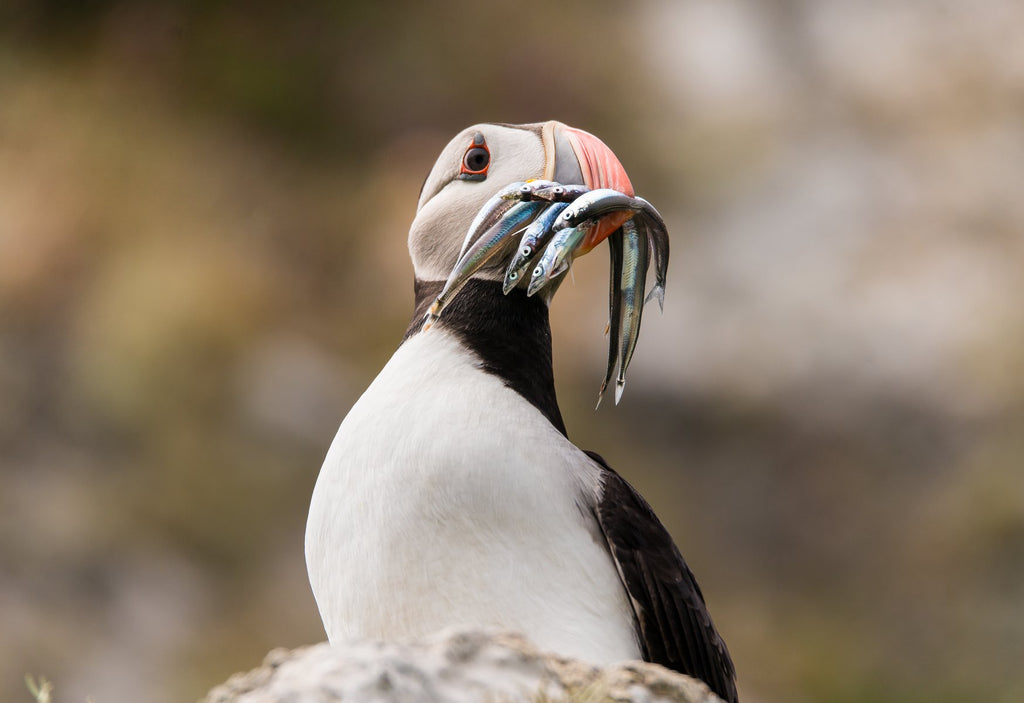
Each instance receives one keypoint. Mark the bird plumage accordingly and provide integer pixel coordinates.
(451, 494)
(448, 499)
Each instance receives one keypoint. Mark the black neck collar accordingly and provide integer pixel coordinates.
(510, 333)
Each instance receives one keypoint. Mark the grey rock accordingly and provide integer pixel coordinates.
(456, 666)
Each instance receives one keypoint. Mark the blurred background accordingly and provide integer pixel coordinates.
(203, 218)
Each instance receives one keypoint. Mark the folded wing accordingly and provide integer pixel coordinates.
(674, 627)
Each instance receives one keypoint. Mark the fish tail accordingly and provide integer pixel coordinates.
(657, 292)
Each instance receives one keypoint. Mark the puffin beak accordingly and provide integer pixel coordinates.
(598, 166)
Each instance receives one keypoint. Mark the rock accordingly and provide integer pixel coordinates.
(456, 666)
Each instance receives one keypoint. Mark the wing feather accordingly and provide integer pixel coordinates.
(673, 623)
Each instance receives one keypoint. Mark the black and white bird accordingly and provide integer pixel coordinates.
(451, 494)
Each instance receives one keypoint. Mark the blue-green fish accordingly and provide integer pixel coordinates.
(558, 255)
(483, 250)
(633, 281)
(534, 238)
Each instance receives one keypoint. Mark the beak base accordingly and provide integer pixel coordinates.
(600, 169)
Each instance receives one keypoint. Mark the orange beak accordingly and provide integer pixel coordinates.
(601, 169)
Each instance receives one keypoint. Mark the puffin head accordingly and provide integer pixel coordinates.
(481, 160)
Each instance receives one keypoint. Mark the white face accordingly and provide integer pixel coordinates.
(450, 201)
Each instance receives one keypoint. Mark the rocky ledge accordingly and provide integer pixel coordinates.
(459, 666)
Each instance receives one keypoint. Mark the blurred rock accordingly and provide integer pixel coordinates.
(457, 666)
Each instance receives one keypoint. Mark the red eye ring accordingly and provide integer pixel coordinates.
(476, 160)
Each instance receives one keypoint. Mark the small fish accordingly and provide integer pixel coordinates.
(633, 282)
(657, 236)
(594, 205)
(559, 193)
(558, 255)
(534, 238)
(483, 250)
(492, 211)
(614, 309)
(528, 191)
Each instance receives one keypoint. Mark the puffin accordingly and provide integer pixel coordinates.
(451, 494)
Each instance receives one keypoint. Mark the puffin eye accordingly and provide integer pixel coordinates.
(476, 160)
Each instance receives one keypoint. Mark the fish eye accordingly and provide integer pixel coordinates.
(513, 276)
(476, 160)
(527, 251)
(539, 271)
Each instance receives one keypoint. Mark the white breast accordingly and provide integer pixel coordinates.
(447, 499)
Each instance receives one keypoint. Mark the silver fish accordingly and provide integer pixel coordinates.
(528, 191)
(560, 193)
(633, 281)
(534, 238)
(594, 205)
(483, 250)
(614, 309)
(558, 255)
(654, 227)
(492, 211)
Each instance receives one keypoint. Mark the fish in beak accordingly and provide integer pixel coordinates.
(562, 200)
(598, 168)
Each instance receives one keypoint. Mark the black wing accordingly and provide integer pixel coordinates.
(673, 625)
